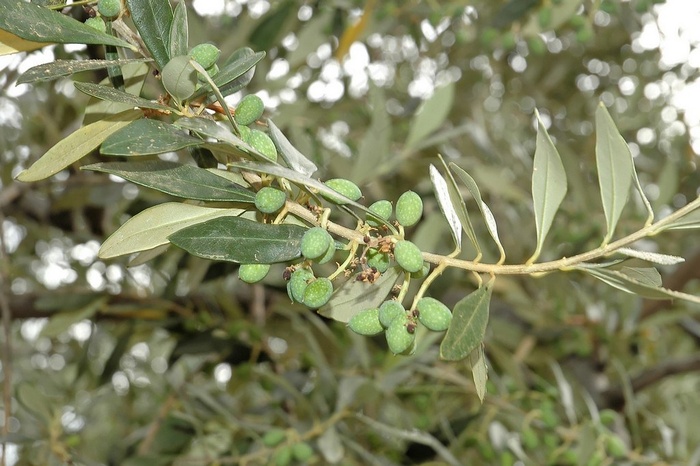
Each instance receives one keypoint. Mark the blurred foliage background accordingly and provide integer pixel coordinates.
(176, 361)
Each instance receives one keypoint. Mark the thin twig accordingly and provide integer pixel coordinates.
(7, 346)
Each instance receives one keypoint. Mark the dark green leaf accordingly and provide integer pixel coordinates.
(354, 296)
(291, 156)
(548, 185)
(147, 137)
(179, 31)
(176, 179)
(35, 23)
(469, 319)
(230, 143)
(59, 68)
(225, 78)
(152, 19)
(266, 34)
(115, 95)
(615, 168)
(134, 79)
(237, 239)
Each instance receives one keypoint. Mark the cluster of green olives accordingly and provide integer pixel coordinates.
(399, 325)
(318, 246)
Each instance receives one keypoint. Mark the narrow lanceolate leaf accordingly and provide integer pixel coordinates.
(229, 142)
(134, 79)
(147, 137)
(60, 68)
(442, 194)
(291, 156)
(480, 372)
(225, 78)
(115, 95)
(354, 296)
(237, 239)
(548, 185)
(615, 168)
(460, 208)
(431, 115)
(150, 228)
(77, 145)
(645, 282)
(686, 222)
(152, 19)
(663, 259)
(176, 179)
(468, 326)
(179, 31)
(485, 211)
(35, 23)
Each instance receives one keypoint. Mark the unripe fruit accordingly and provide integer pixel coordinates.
(544, 17)
(390, 310)
(422, 273)
(96, 23)
(302, 451)
(253, 273)
(616, 447)
(274, 437)
(380, 210)
(249, 110)
(110, 9)
(283, 457)
(379, 260)
(245, 134)
(297, 284)
(366, 322)
(530, 439)
(315, 243)
(408, 256)
(318, 292)
(211, 72)
(269, 200)
(328, 255)
(607, 417)
(397, 336)
(409, 208)
(263, 144)
(345, 187)
(205, 54)
(433, 314)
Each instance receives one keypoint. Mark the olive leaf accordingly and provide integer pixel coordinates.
(151, 227)
(548, 185)
(615, 169)
(486, 213)
(153, 19)
(77, 145)
(115, 95)
(468, 326)
(176, 179)
(431, 115)
(179, 31)
(291, 156)
(480, 375)
(60, 68)
(147, 137)
(35, 23)
(442, 194)
(237, 239)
